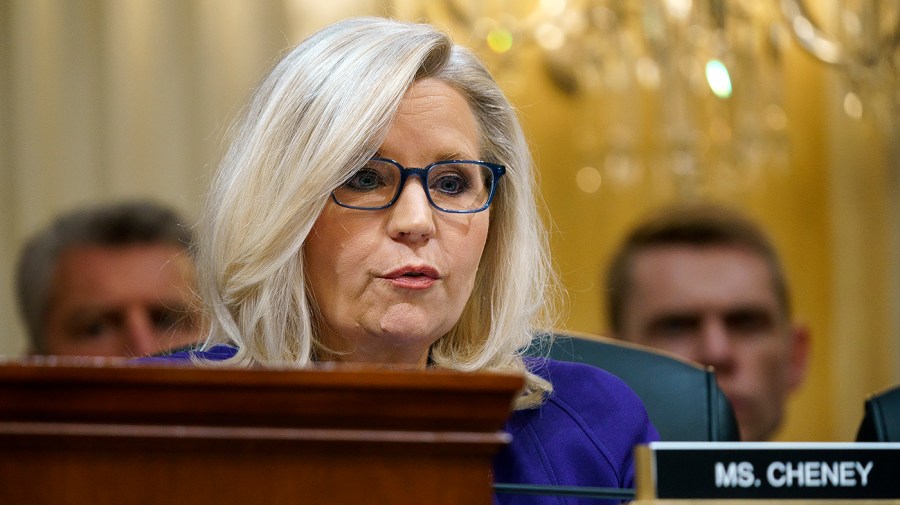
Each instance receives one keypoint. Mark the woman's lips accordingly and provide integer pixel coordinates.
(421, 277)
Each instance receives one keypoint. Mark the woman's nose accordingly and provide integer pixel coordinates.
(412, 216)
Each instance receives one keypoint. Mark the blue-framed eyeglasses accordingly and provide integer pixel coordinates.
(455, 186)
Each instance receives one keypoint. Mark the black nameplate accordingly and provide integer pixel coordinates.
(735, 470)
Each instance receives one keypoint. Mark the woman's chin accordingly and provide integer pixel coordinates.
(413, 324)
(411, 337)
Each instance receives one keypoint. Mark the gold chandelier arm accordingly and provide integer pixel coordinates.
(809, 35)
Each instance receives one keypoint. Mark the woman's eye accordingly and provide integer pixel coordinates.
(364, 179)
(450, 184)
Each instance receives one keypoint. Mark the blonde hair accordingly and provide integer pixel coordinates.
(322, 111)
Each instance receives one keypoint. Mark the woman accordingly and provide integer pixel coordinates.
(320, 243)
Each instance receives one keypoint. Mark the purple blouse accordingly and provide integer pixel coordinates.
(584, 433)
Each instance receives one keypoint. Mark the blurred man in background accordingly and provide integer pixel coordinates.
(703, 282)
(113, 280)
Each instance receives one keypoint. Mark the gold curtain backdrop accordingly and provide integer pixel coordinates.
(109, 99)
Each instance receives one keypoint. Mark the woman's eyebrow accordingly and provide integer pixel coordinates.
(443, 156)
(455, 155)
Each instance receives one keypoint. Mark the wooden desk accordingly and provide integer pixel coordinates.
(109, 433)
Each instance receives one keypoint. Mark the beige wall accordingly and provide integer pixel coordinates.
(110, 99)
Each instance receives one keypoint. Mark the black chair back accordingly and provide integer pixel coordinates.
(682, 399)
(881, 421)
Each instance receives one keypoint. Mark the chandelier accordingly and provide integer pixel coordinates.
(692, 89)
(864, 43)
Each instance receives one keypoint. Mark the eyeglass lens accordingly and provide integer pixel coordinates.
(451, 186)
